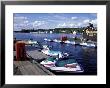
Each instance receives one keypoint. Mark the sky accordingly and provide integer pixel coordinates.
(53, 20)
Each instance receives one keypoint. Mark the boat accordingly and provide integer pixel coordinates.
(62, 42)
(83, 44)
(70, 42)
(49, 62)
(73, 42)
(67, 41)
(49, 40)
(55, 40)
(31, 42)
(67, 64)
(88, 44)
(45, 39)
(49, 52)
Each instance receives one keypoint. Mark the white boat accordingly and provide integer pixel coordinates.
(55, 40)
(32, 42)
(49, 52)
(70, 42)
(49, 62)
(88, 44)
(83, 44)
(49, 40)
(59, 41)
(45, 39)
(67, 41)
(60, 65)
(91, 45)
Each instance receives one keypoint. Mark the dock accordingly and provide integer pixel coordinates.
(30, 68)
(36, 55)
(30, 65)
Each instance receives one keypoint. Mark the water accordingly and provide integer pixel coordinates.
(87, 57)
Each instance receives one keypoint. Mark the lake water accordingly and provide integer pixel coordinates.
(85, 56)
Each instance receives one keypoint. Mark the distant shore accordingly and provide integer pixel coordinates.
(56, 30)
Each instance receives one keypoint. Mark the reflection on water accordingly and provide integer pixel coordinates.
(87, 57)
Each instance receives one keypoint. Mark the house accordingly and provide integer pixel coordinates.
(90, 33)
(74, 32)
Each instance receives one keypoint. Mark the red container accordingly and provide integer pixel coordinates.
(20, 51)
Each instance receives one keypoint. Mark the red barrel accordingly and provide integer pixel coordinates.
(20, 51)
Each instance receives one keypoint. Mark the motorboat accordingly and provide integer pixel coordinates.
(91, 45)
(55, 40)
(49, 52)
(49, 62)
(88, 44)
(83, 44)
(32, 42)
(62, 65)
(49, 40)
(59, 41)
(67, 41)
(45, 39)
(73, 42)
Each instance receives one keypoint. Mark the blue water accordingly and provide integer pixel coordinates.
(86, 57)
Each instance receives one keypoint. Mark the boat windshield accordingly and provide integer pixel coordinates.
(63, 62)
(51, 59)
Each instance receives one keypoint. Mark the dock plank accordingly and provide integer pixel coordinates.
(35, 54)
(28, 68)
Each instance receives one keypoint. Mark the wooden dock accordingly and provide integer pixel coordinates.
(36, 55)
(29, 68)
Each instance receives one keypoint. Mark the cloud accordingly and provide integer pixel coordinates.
(62, 25)
(53, 21)
(73, 18)
(68, 25)
(71, 25)
(86, 21)
(79, 24)
(26, 21)
(94, 14)
(20, 18)
(20, 22)
(38, 23)
(94, 21)
(60, 17)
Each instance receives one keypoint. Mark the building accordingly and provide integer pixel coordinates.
(90, 33)
(74, 32)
